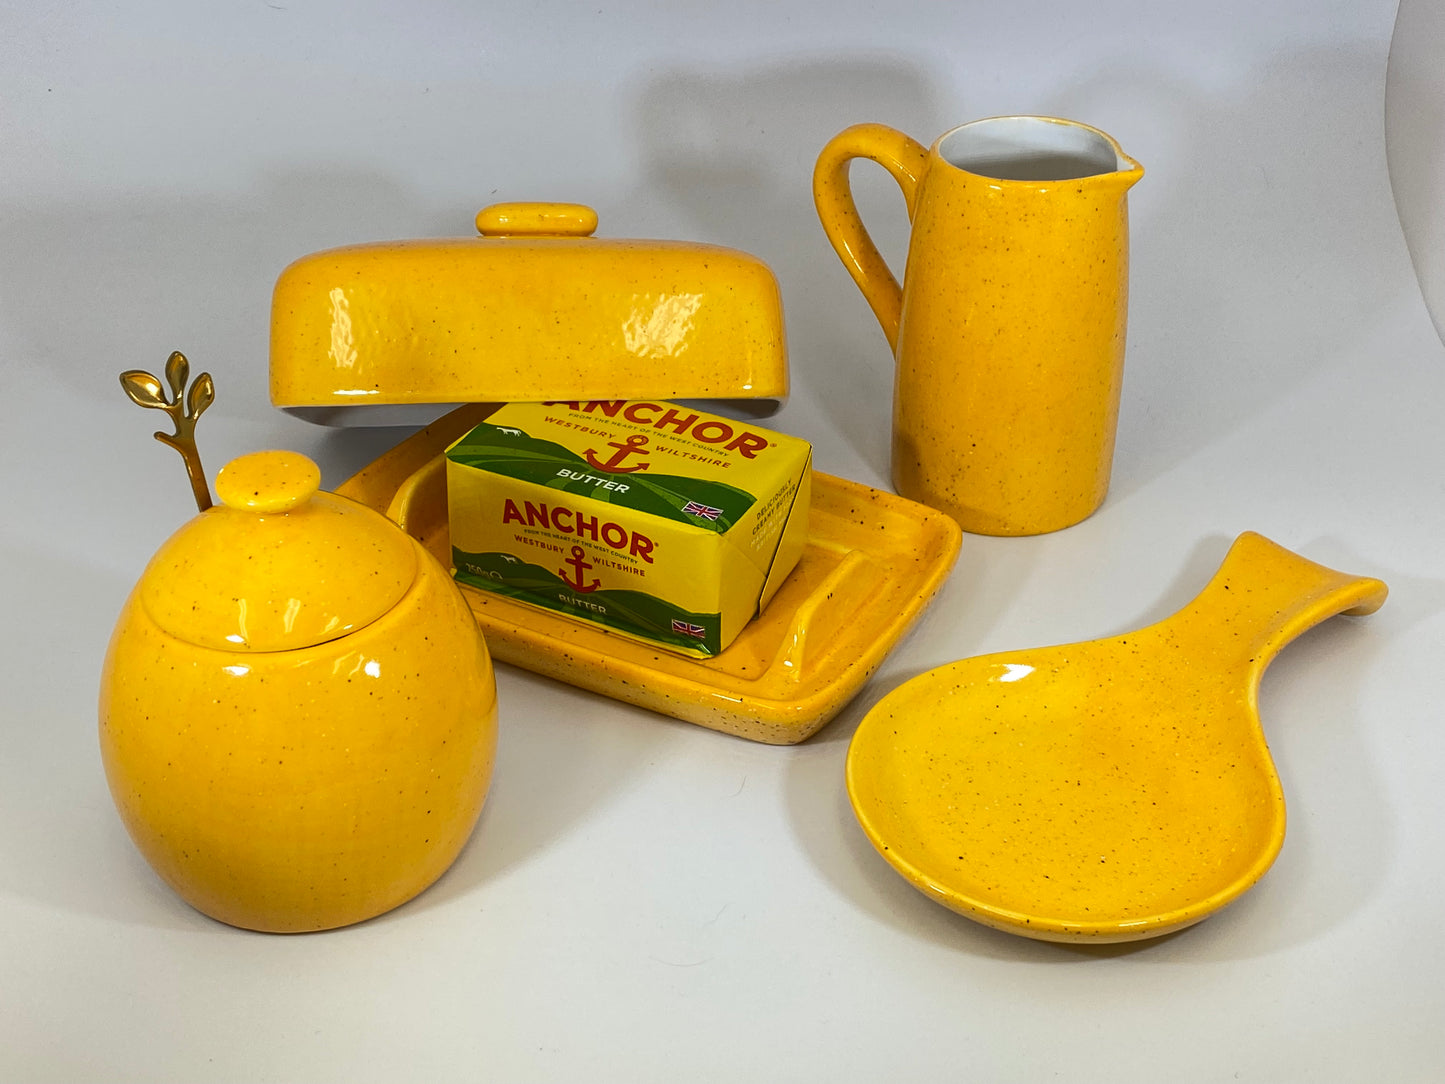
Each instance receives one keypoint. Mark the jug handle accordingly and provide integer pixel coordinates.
(906, 159)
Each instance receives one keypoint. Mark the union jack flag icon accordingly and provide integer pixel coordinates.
(688, 629)
(704, 511)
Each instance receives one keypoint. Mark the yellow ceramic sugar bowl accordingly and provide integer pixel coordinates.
(297, 712)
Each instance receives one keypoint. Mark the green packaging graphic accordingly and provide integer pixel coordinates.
(656, 521)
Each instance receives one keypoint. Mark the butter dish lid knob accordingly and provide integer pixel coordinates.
(268, 481)
(536, 220)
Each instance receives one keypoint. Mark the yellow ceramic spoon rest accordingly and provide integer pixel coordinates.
(1112, 790)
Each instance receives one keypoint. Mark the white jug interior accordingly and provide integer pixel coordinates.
(1029, 149)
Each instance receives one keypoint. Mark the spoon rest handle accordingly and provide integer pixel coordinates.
(1266, 596)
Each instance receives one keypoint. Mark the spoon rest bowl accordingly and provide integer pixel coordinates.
(1112, 790)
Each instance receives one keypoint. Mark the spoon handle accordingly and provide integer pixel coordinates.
(1266, 595)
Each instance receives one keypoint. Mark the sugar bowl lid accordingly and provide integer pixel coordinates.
(278, 565)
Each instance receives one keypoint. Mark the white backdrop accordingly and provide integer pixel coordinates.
(644, 900)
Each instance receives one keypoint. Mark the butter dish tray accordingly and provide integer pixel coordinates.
(872, 564)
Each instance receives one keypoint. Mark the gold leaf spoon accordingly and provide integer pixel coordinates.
(1111, 790)
(184, 407)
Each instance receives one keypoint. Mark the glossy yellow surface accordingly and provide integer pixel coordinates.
(535, 308)
(1008, 330)
(1105, 791)
(871, 565)
(297, 712)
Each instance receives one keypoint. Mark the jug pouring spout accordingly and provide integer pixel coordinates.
(1127, 173)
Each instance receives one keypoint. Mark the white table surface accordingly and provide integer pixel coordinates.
(644, 900)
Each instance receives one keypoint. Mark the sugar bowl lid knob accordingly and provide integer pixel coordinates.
(275, 481)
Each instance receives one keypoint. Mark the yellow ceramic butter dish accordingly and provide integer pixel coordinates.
(1106, 791)
(871, 564)
(297, 711)
(533, 308)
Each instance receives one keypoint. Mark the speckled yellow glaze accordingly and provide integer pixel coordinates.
(871, 566)
(297, 712)
(1008, 330)
(534, 308)
(1105, 791)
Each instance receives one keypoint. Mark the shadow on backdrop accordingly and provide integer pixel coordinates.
(735, 153)
(1249, 210)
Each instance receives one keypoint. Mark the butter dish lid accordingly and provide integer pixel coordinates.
(533, 308)
(278, 565)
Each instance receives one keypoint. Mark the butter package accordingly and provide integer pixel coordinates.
(656, 521)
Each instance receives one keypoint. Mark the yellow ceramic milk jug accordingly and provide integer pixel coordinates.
(1008, 330)
(297, 713)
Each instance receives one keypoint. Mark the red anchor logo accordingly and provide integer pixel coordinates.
(580, 565)
(633, 444)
